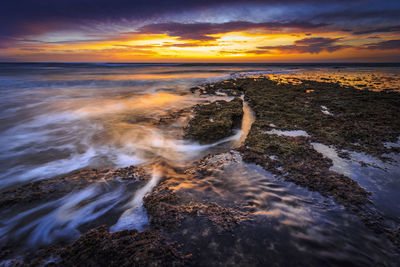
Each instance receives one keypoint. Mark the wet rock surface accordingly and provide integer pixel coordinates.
(56, 187)
(98, 247)
(357, 125)
(191, 219)
(362, 120)
(298, 162)
(167, 211)
(172, 201)
(125, 248)
(342, 116)
(214, 121)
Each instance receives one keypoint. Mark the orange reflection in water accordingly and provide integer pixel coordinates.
(148, 103)
(376, 81)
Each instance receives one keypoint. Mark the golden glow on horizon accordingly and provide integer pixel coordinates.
(228, 47)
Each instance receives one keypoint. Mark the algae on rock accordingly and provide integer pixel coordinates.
(214, 121)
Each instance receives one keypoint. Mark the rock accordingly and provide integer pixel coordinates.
(362, 121)
(362, 117)
(214, 121)
(167, 211)
(303, 166)
(57, 187)
(98, 247)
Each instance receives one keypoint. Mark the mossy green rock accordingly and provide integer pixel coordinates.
(214, 121)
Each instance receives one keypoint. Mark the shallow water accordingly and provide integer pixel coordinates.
(58, 118)
(53, 124)
(289, 224)
(380, 178)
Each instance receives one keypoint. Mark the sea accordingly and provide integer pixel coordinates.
(59, 118)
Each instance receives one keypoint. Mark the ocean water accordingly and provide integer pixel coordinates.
(59, 118)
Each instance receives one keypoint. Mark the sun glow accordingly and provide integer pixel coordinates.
(230, 46)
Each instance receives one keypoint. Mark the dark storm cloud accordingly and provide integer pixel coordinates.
(23, 19)
(307, 45)
(387, 29)
(30, 16)
(200, 31)
(352, 14)
(384, 45)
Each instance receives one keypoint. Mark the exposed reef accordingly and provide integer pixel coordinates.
(187, 197)
(56, 187)
(99, 247)
(341, 116)
(298, 162)
(125, 248)
(345, 117)
(214, 121)
(167, 210)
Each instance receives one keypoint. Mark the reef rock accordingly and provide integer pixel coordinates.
(214, 121)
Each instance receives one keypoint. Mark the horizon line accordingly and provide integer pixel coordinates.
(181, 63)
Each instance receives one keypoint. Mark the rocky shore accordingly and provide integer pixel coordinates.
(343, 117)
(214, 121)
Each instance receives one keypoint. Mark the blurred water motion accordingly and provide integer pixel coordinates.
(58, 118)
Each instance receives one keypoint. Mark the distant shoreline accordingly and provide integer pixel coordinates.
(291, 64)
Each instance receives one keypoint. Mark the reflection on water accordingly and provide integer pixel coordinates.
(55, 123)
(60, 118)
(134, 217)
(68, 134)
(380, 178)
(286, 220)
(361, 78)
(60, 219)
(247, 121)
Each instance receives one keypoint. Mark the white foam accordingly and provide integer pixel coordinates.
(135, 217)
(62, 166)
(50, 169)
(393, 144)
(62, 217)
(339, 165)
(293, 133)
(326, 111)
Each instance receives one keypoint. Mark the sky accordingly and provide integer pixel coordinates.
(199, 31)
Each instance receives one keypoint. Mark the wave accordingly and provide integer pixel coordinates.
(60, 219)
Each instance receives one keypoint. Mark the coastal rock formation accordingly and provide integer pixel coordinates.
(356, 120)
(99, 247)
(57, 187)
(214, 121)
(344, 117)
(167, 210)
(171, 202)
(298, 162)
(125, 248)
(184, 202)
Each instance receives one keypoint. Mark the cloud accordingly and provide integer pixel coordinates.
(384, 45)
(318, 45)
(202, 31)
(27, 25)
(353, 14)
(393, 28)
(33, 49)
(165, 44)
(306, 45)
(19, 17)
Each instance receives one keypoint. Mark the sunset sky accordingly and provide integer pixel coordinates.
(200, 31)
